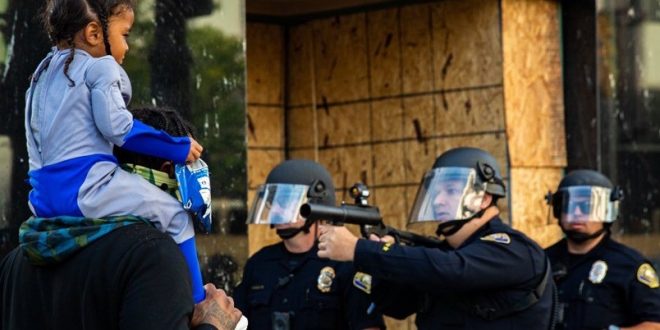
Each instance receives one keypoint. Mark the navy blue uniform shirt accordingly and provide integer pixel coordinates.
(494, 269)
(611, 285)
(313, 293)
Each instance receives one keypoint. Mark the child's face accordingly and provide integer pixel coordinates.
(119, 26)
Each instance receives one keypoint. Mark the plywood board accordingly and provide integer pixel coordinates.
(306, 153)
(416, 57)
(387, 119)
(384, 52)
(348, 165)
(265, 63)
(340, 56)
(300, 62)
(260, 236)
(265, 126)
(530, 213)
(260, 162)
(477, 110)
(419, 117)
(392, 205)
(344, 124)
(466, 43)
(301, 127)
(388, 163)
(533, 90)
(419, 157)
(493, 143)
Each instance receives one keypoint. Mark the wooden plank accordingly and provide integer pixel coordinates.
(419, 117)
(340, 56)
(384, 52)
(265, 126)
(260, 162)
(306, 153)
(300, 127)
(348, 165)
(416, 55)
(392, 205)
(388, 163)
(530, 213)
(299, 65)
(533, 88)
(265, 49)
(343, 124)
(470, 111)
(466, 43)
(387, 119)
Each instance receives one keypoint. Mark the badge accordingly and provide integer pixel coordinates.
(362, 281)
(498, 238)
(598, 272)
(324, 282)
(647, 275)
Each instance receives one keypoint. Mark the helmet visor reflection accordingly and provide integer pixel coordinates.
(588, 204)
(448, 193)
(277, 204)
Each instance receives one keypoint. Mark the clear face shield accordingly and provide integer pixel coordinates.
(446, 194)
(582, 204)
(277, 204)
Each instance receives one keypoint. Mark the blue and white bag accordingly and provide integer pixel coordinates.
(195, 189)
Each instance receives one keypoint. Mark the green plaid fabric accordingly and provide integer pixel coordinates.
(160, 179)
(46, 241)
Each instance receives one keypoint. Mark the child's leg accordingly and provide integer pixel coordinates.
(124, 193)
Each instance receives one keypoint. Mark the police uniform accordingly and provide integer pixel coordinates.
(611, 285)
(497, 279)
(305, 291)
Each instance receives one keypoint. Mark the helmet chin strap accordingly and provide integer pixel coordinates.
(287, 233)
(451, 227)
(578, 237)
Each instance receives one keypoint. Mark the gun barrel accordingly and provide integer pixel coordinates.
(343, 214)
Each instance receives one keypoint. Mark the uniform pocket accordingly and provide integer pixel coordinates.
(324, 312)
(260, 312)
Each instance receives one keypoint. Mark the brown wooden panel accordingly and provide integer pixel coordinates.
(466, 43)
(343, 124)
(493, 143)
(533, 83)
(419, 117)
(384, 52)
(387, 119)
(260, 162)
(265, 126)
(340, 49)
(392, 205)
(416, 55)
(418, 158)
(300, 126)
(470, 111)
(307, 153)
(388, 163)
(530, 213)
(300, 77)
(260, 236)
(265, 63)
(348, 165)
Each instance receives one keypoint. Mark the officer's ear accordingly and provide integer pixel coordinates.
(487, 201)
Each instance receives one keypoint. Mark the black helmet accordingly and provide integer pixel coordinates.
(305, 172)
(484, 163)
(578, 178)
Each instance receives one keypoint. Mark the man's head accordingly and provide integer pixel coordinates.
(461, 185)
(288, 186)
(586, 203)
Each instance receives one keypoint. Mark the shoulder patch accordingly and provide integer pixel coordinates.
(362, 281)
(647, 275)
(497, 238)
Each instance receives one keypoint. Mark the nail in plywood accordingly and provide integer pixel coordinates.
(530, 212)
(265, 65)
(384, 52)
(348, 165)
(300, 126)
(260, 162)
(340, 56)
(387, 119)
(299, 64)
(416, 58)
(466, 43)
(343, 124)
(388, 163)
(265, 126)
(468, 111)
(534, 107)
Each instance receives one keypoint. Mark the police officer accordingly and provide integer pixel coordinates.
(485, 276)
(602, 284)
(285, 285)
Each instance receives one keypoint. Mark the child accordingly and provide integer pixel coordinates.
(76, 112)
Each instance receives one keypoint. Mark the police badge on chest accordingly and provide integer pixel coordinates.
(598, 272)
(324, 281)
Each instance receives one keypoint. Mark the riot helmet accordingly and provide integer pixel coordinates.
(288, 186)
(452, 192)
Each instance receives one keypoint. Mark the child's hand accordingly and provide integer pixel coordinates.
(195, 151)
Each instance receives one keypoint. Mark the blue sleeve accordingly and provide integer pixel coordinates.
(477, 266)
(189, 250)
(147, 140)
(113, 120)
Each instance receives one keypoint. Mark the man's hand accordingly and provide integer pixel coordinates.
(216, 309)
(195, 151)
(336, 243)
(385, 239)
